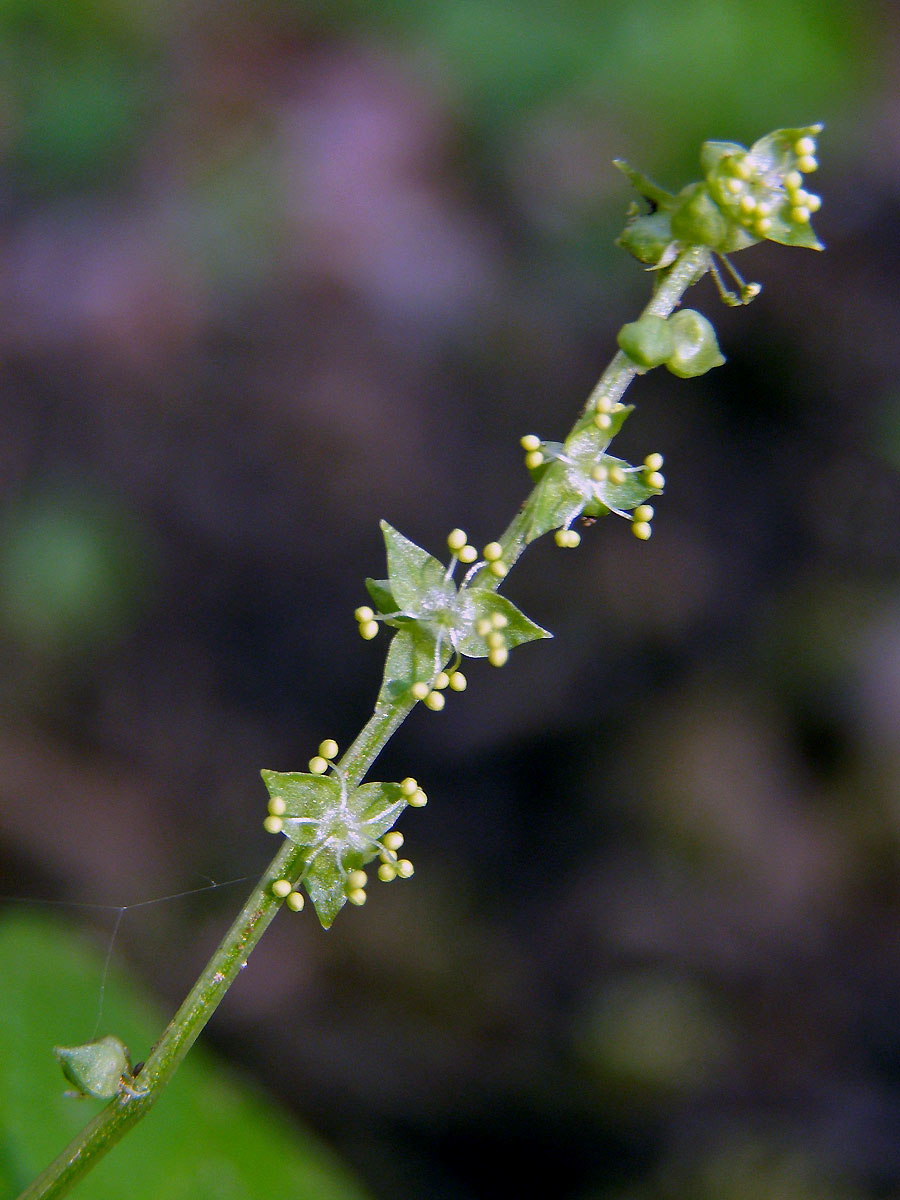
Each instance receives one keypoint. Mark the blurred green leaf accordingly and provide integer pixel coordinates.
(209, 1138)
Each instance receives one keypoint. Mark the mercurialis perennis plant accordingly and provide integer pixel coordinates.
(331, 820)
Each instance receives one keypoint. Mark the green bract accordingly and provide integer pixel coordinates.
(696, 348)
(746, 196)
(97, 1069)
(340, 828)
(419, 590)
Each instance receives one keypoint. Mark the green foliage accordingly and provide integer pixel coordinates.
(211, 1138)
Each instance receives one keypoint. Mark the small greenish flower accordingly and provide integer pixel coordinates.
(101, 1069)
(422, 600)
(341, 830)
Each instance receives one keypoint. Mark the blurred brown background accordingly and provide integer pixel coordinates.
(272, 271)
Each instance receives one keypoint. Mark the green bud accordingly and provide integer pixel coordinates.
(696, 348)
(647, 342)
(697, 220)
(649, 238)
(96, 1068)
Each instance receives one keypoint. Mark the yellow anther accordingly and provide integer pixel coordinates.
(748, 204)
(368, 630)
(408, 786)
(567, 539)
(530, 442)
(419, 690)
(813, 202)
(641, 530)
(604, 404)
(467, 554)
(602, 420)
(295, 902)
(617, 475)
(735, 186)
(417, 799)
(387, 872)
(656, 480)
(793, 180)
(804, 146)
(277, 806)
(318, 765)
(483, 626)
(273, 824)
(741, 168)
(762, 226)
(496, 639)
(653, 462)
(456, 539)
(643, 512)
(357, 896)
(499, 569)
(807, 164)
(533, 459)
(357, 879)
(599, 473)
(393, 840)
(442, 681)
(499, 620)
(435, 701)
(404, 868)
(458, 682)
(492, 551)
(498, 656)
(800, 214)
(329, 748)
(364, 613)
(281, 888)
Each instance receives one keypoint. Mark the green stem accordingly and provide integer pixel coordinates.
(102, 1133)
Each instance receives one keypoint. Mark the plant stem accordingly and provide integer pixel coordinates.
(126, 1109)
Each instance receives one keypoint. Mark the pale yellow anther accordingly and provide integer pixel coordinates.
(364, 613)
(641, 530)
(741, 168)
(762, 226)
(492, 551)
(735, 186)
(467, 554)
(357, 896)
(388, 856)
(277, 806)
(456, 539)
(442, 681)
(387, 872)
(530, 442)
(496, 639)
(813, 202)
(533, 459)
(617, 475)
(602, 420)
(748, 204)
(435, 701)
(418, 799)
(656, 480)
(419, 690)
(318, 765)
(328, 748)
(643, 512)
(408, 786)
(653, 462)
(800, 214)
(483, 626)
(281, 888)
(368, 630)
(273, 824)
(498, 656)
(804, 145)
(295, 902)
(499, 620)
(599, 473)
(793, 180)
(499, 569)
(458, 682)
(567, 539)
(807, 164)
(799, 196)
(357, 879)
(393, 840)
(404, 868)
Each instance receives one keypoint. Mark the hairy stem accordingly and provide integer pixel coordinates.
(126, 1109)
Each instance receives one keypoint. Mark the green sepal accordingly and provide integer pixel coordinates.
(416, 578)
(96, 1068)
(648, 236)
(647, 342)
(383, 598)
(554, 502)
(517, 630)
(586, 433)
(338, 829)
(696, 348)
(412, 658)
(645, 187)
(697, 220)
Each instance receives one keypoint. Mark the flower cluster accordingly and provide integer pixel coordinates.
(746, 196)
(439, 622)
(340, 830)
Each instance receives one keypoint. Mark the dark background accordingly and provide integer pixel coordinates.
(270, 272)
